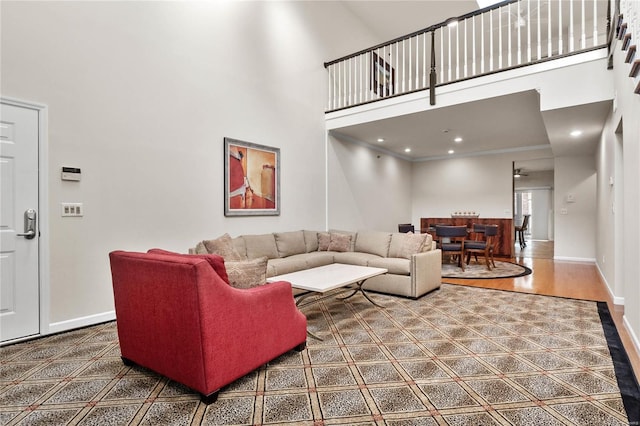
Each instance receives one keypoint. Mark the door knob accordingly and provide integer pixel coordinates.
(29, 224)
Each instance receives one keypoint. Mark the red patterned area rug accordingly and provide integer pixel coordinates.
(457, 356)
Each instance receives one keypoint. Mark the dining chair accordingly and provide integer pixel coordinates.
(484, 247)
(521, 229)
(405, 227)
(451, 241)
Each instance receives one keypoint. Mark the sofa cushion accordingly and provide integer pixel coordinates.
(222, 246)
(238, 243)
(393, 265)
(290, 243)
(316, 259)
(374, 242)
(247, 273)
(261, 245)
(324, 238)
(311, 240)
(339, 242)
(287, 265)
(216, 261)
(354, 258)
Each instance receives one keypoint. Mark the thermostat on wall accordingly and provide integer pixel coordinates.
(71, 173)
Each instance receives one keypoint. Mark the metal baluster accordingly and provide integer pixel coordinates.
(549, 34)
(410, 65)
(560, 42)
(499, 39)
(595, 23)
(509, 39)
(583, 38)
(397, 62)
(417, 61)
(571, 46)
(465, 73)
(449, 49)
(458, 51)
(539, 34)
(482, 43)
(491, 48)
(519, 36)
(424, 60)
(473, 44)
(528, 30)
(441, 55)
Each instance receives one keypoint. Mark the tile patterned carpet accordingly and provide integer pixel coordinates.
(457, 356)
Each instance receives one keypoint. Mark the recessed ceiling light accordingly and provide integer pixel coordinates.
(407, 150)
(451, 151)
(576, 133)
(458, 139)
(380, 140)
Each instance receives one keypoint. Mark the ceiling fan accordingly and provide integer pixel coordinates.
(518, 173)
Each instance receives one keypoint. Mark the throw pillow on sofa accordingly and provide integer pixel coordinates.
(412, 244)
(247, 273)
(222, 246)
(339, 242)
(216, 261)
(324, 238)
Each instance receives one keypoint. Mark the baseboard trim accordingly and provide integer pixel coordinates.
(57, 327)
(632, 334)
(575, 259)
(616, 300)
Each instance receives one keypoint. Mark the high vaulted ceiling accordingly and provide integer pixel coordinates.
(493, 125)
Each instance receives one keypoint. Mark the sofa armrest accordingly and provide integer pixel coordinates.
(426, 272)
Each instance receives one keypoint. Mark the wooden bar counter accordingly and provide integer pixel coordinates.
(504, 244)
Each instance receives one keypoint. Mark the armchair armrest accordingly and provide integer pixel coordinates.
(252, 325)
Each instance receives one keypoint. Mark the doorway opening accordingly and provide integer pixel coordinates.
(533, 197)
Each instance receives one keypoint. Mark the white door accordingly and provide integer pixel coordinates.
(19, 263)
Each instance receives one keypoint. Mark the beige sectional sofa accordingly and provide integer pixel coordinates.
(410, 274)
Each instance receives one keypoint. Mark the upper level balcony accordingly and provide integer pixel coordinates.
(507, 36)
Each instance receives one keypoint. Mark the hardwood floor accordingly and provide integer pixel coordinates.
(564, 279)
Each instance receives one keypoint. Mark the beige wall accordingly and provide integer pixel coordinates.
(140, 96)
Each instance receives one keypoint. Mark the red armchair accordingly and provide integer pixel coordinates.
(178, 317)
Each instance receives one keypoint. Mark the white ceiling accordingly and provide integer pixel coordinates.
(499, 124)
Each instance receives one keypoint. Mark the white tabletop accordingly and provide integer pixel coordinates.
(328, 277)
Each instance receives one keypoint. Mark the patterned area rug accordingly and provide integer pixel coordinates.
(457, 356)
(479, 271)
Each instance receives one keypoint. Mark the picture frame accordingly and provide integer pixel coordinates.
(251, 179)
(383, 76)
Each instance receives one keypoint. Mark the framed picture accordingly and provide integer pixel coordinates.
(383, 76)
(251, 179)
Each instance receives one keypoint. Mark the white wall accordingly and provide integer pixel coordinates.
(141, 95)
(623, 281)
(575, 231)
(367, 189)
(481, 183)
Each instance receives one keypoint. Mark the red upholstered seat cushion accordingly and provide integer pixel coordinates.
(216, 262)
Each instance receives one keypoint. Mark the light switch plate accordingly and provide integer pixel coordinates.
(72, 209)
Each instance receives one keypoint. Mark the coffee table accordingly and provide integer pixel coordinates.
(323, 280)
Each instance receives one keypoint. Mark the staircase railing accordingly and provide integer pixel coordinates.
(510, 34)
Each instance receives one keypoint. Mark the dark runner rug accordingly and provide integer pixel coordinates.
(457, 356)
(479, 271)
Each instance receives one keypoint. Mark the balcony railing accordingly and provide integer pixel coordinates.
(510, 34)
